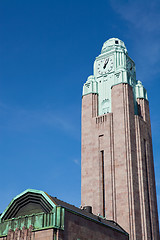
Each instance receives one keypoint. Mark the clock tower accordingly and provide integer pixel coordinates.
(117, 161)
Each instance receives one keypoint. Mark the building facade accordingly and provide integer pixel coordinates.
(117, 168)
(35, 215)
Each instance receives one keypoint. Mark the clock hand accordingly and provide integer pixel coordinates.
(105, 63)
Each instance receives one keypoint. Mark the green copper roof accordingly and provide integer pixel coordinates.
(113, 66)
(112, 44)
(44, 212)
(52, 215)
(38, 221)
(21, 199)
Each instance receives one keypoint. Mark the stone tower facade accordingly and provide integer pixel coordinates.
(118, 178)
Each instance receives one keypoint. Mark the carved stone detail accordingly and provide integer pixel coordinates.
(18, 234)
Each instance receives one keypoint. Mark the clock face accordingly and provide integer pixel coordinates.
(130, 66)
(105, 66)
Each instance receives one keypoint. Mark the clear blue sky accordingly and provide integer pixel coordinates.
(47, 50)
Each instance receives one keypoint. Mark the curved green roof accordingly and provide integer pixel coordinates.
(28, 196)
(113, 43)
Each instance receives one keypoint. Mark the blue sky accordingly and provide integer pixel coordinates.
(47, 50)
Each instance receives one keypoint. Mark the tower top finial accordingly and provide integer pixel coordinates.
(113, 43)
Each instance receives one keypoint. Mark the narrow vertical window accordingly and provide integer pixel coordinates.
(147, 183)
(103, 183)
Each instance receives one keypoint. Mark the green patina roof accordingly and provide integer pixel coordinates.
(113, 43)
(43, 212)
(47, 212)
(50, 213)
(18, 199)
(113, 66)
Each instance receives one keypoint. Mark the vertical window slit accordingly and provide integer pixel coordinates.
(147, 183)
(103, 183)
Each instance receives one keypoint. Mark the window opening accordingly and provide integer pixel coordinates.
(146, 170)
(103, 183)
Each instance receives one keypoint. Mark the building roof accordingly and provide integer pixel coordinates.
(91, 216)
(34, 205)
